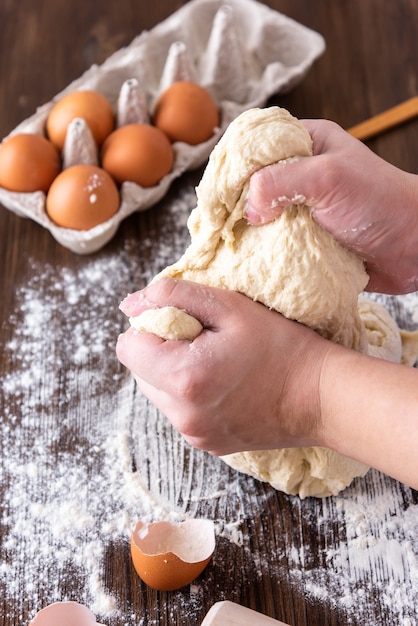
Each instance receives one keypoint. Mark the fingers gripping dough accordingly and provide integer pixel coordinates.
(291, 265)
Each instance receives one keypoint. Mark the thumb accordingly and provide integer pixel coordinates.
(206, 304)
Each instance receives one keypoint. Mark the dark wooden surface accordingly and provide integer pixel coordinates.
(76, 436)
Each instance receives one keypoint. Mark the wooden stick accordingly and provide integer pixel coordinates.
(386, 120)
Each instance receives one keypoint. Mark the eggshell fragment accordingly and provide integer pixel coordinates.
(168, 555)
(64, 614)
(186, 112)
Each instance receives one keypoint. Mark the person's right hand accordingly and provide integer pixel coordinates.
(367, 204)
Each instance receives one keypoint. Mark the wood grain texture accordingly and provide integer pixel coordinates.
(82, 451)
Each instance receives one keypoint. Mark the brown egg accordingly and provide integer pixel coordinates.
(139, 153)
(28, 162)
(186, 112)
(64, 614)
(82, 197)
(89, 105)
(168, 555)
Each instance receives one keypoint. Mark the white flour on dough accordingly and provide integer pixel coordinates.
(292, 266)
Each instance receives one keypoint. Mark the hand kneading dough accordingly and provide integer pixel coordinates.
(291, 265)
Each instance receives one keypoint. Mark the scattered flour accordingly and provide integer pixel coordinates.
(378, 556)
(65, 505)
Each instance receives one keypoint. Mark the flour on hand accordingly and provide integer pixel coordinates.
(292, 266)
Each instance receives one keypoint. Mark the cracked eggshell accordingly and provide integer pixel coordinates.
(241, 51)
(168, 555)
(65, 614)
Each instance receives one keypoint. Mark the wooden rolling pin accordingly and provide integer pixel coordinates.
(386, 120)
(231, 614)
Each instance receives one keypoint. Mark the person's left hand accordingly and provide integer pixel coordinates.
(249, 381)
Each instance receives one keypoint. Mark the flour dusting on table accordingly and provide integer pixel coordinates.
(80, 464)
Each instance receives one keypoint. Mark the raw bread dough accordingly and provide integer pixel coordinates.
(318, 471)
(168, 323)
(291, 265)
(383, 335)
(409, 347)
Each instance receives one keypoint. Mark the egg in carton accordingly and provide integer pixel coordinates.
(240, 51)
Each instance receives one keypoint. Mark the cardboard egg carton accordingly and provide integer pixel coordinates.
(241, 51)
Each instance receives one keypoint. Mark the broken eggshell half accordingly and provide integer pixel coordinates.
(169, 555)
(65, 614)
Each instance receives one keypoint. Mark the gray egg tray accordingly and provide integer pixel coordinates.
(241, 51)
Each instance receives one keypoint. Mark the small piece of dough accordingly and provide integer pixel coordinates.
(168, 323)
(409, 347)
(383, 334)
(292, 266)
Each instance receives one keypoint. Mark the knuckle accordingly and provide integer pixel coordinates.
(164, 288)
(330, 171)
(188, 386)
(189, 416)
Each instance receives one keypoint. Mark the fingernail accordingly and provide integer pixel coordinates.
(125, 302)
(251, 215)
(131, 302)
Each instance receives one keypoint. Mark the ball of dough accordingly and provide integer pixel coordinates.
(168, 323)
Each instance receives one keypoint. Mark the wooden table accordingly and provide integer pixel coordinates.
(84, 455)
